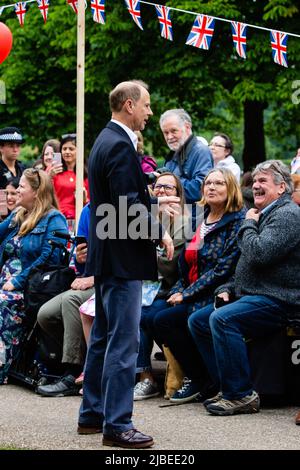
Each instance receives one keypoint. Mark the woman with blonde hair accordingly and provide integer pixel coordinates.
(207, 261)
(24, 244)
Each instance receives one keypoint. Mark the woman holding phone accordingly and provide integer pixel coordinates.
(47, 161)
(49, 148)
(65, 181)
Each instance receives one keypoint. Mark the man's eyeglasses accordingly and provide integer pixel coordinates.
(66, 136)
(215, 184)
(167, 187)
(212, 144)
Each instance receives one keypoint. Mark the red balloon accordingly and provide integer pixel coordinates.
(6, 40)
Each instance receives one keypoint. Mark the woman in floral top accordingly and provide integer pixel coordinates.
(24, 238)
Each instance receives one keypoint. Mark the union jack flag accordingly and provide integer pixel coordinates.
(98, 11)
(239, 31)
(279, 47)
(134, 9)
(202, 32)
(165, 23)
(20, 9)
(74, 5)
(43, 6)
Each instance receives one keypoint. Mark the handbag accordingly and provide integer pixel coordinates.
(43, 283)
(174, 374)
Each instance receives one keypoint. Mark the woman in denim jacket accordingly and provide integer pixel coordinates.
(24, 238)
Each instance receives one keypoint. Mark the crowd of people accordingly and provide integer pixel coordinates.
(197, 286)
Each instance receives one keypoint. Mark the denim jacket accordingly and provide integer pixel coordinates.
(34, 246)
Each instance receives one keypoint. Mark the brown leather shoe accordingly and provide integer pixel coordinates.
(88, 429)
(131, 439)
(297, 418)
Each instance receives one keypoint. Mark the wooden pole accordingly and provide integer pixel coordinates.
(80, 108)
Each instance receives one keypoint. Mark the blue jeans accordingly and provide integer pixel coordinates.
(147, 335)
(170, 327)
(220, 338)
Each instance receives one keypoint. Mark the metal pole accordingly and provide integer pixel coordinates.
(80, 108)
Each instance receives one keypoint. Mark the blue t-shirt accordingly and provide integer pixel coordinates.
(83, 231)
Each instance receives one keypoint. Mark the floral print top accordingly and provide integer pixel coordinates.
(12, 265)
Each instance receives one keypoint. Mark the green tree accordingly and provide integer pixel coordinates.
(219, 90)
(257, 82)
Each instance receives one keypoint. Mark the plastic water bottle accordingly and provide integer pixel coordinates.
(2, 353)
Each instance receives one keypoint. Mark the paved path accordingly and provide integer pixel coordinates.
(33, 422)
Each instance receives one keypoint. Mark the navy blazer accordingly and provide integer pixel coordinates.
(115, 170)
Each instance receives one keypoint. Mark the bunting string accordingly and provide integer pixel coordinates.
(222, 19)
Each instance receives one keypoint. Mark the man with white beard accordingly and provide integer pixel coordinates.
(189, 158)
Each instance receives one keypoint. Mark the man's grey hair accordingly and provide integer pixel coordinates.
(182, 116)
(279, 171)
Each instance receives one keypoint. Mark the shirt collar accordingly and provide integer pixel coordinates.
(128, 131)
(268, 207)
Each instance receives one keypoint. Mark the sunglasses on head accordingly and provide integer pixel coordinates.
(67, 136)
(36, 171)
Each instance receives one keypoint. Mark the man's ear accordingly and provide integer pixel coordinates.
(282, 188)
(188, 128)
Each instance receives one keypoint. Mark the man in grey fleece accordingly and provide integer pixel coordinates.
(266, 287)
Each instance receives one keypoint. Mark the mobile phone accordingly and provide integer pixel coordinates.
(56, 158)
(80, 239)
(3, 202)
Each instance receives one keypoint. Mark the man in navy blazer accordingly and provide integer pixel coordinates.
(121, 254)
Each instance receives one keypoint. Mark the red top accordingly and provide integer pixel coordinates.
(65, 186)
(192, 250)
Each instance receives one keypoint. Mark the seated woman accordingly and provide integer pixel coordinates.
(24, 238)
(206, 263)
(166, 184)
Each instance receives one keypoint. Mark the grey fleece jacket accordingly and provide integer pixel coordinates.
(270, 254)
